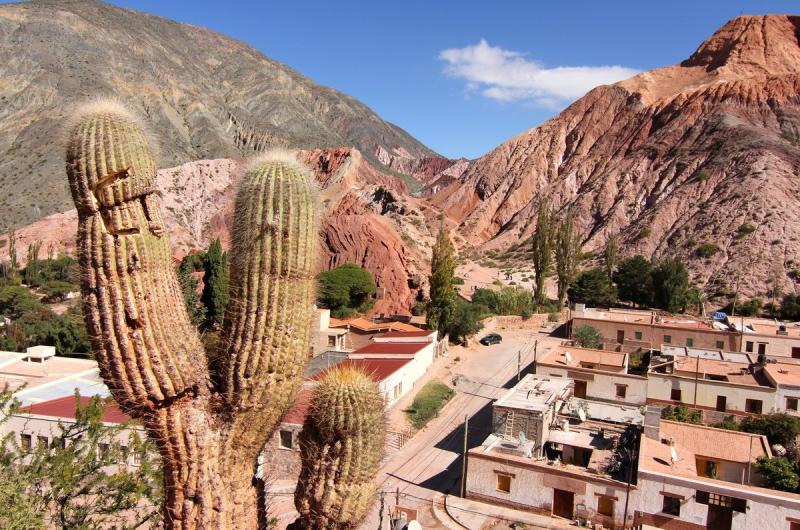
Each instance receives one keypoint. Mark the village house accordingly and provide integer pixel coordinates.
(363, 330)
(324, 337)
(631, 330)
(785, 378)
(716, 386)
(538, 461)
(598, 375)
(693, 477)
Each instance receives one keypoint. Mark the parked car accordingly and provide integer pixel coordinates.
(491, 338)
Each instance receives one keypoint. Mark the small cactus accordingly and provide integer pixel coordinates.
(341, 447)
(209, 427)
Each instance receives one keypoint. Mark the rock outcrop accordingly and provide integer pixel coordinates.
(706, 151)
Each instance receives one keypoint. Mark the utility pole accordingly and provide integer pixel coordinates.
(535, 353)
(519, 362)
(380, 512)
(696, 376)
(464, 459)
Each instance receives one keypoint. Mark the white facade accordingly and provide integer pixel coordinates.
(663, 387)
(602, 386)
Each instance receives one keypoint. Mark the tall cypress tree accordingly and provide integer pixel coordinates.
(442, 304)
(568, 255)
(542, 252)
(215, 288)
(197, 311)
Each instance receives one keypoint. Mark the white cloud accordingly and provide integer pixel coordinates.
(505, 75)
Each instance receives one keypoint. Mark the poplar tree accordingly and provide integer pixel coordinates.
(442, 304)
(568, 255)
(215, 288)
(542, 252)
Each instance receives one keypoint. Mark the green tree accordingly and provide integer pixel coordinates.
(588, 337)
(12, 253)
(593, 287)
(634, 280)
(188, 282)
(611, 254)
(543, 238)
(215, 284)
(77, 481)
(568, 255)
(442, 304)
(682, 413)
(780, 473)
(671, 285)
(346, 289)
(56, 290)
(507, 301)
(467, 321)
(790, 307)
(779, 428)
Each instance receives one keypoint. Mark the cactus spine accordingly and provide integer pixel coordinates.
(340, 447)
(208, 427)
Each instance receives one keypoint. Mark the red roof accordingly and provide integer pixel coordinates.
(297, 414)
(404, 334)
(65, 408)
(399, 348)
(377, 369)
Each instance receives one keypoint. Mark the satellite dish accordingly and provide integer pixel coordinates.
(673, 455)
(582, 415)
(568, 357)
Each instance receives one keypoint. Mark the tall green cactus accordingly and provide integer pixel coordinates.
(209, 427)
(340, 447)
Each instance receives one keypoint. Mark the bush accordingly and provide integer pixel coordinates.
(638, 362)
(427, 403)
(728, 423)
(346, 289)
(779, 428)
(790, 307)
(587, 336)
(552, 317)
(706, 250)
(507, 301)
(750, 308)
(682, 413)
(56, 290)
(780, 473)
(744, 230)
(593, 287)
(466, 321)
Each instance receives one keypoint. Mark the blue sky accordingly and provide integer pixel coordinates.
(463, 76)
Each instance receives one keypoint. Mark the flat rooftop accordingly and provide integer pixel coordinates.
(715, 370)
(608, 412)
(536, 393)
(783, 374)
(585, 358)
(764, 326)
(55, 377)
(710, 442)
(737, 357)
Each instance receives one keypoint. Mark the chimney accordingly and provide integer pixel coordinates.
(652, 422)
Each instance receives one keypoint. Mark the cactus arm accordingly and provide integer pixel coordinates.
(146, 348)
(267, 324)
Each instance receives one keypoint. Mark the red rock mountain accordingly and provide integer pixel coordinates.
(707, 151)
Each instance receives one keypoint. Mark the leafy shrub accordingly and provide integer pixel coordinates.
(744, 230)
(790, 307)
(346, 289)
(780, 473)
(466, 321)
(427, 403)
(779, 428)
(706, 250)
(552, 317)
(507, 301)
(681, 413)
(587, 336)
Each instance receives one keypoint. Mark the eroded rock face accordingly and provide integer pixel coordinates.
(706, 151)
(365, 215)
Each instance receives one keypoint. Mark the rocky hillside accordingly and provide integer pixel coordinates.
(368, 219)
(707, 151)
(203, 95)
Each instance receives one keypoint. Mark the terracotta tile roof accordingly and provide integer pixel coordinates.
(392, 348)
(64, 407)
(710, 442)
(404, 334)
(577, 356)
(783, 374)
(377, 369)
(297, 414)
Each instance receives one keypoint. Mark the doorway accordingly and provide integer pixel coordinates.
(719, 517)
(620, 336)
(563, 503)
(722, 403)
(580, 389)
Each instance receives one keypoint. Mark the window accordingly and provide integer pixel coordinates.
(689, 343)
(503, 482)
(762, 348)
(752, 405)
(795, 352)
(675, 394)
(41, 442)
(136, 459)
(706, 468)
(26, 441)
(671, 506)
(748, 347)
(286, 439)
(622, 391)
(791, 403)
(720, 344)
(637, 335)
(605, 506)
(713, 499)
(667, 339)
(331, 340)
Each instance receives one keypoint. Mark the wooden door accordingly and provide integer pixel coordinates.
(722, 403)
(580, 389)
(719, 518)
(620, 336)
(563, 503)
